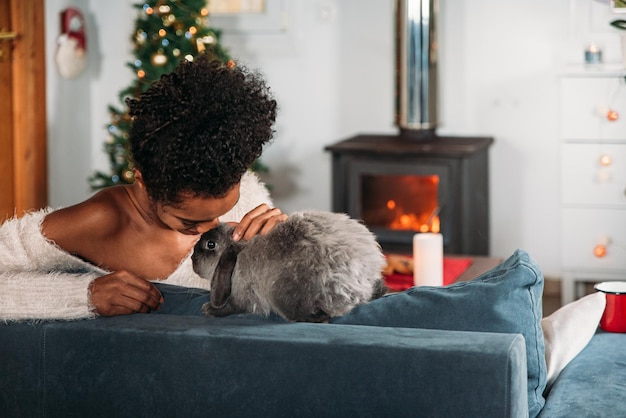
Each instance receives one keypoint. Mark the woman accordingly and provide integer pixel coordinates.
(194, 135)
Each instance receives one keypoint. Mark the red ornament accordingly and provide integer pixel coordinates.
(599, 251)
(612, 115)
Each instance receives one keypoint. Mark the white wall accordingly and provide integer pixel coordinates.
(332, 73)
(69, 117)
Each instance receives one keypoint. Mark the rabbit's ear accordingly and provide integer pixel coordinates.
(221, 285)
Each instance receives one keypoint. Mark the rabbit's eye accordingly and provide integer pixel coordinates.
(209, 245)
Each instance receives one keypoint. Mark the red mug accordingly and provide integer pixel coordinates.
(614, 316)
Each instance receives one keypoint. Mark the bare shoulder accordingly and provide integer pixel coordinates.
(75, 227)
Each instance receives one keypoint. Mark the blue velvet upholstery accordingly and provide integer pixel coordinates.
(186, 366)
(594, 383)
(506, 299)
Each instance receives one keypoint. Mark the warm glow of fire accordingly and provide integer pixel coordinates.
(412, 222)
(402, 203)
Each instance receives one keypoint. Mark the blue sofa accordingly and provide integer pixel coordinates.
(467, 350)
(594, 383)
(165, 366)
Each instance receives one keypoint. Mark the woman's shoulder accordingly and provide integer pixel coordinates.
(93, 219)
(104, 204)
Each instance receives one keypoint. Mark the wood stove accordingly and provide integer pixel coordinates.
(399, 186)
(416, 181)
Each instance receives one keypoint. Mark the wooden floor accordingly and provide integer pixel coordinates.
(551, 296)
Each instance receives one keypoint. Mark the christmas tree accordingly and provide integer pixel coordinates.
(166, 32)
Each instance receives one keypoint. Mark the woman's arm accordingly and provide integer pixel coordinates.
(38, 280)
(38, 295)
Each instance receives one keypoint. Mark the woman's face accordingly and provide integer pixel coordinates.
(195, 215)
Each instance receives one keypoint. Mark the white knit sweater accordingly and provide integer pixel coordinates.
(38, 280)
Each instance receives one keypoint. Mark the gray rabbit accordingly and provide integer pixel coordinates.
(314, 266)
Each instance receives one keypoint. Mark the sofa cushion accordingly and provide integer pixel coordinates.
(593, 383)
(507, 299)
(568, 330)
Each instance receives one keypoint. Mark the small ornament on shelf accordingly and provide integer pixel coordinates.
(593, 54)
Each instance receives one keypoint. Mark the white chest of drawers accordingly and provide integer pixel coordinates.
(593, 178)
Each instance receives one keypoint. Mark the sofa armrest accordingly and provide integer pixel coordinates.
(166, 365)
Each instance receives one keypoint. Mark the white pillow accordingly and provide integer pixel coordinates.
(568, 330)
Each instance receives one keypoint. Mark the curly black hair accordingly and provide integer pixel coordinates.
(198, 129)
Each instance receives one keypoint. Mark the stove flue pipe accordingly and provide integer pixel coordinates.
(416, 67)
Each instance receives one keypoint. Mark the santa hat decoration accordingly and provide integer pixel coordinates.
(71, 57)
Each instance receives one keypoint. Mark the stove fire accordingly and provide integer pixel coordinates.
(401, 202)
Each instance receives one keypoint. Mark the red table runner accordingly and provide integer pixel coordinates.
(452, 269)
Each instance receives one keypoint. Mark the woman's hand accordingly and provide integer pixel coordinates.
(122, 293)
(259, 220)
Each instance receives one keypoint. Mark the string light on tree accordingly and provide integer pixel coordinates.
(140, 37)
(158, 59)
(164, 9)
(129, 177)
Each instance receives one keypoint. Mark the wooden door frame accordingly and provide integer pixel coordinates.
(28, 106)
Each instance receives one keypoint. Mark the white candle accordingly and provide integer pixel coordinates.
(428, 259)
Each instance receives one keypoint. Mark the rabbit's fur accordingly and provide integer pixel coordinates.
(314, 266)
